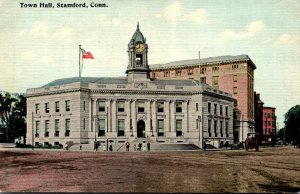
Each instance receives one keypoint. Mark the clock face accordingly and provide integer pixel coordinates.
(139, 47)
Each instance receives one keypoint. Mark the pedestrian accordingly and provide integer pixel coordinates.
(127, 146)
(148, 146)
(134, 146)
(140, 146)
(144, 146)
(110, 147)
(97, 145)
(104, 147)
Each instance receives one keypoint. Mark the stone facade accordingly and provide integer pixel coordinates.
(85, 109)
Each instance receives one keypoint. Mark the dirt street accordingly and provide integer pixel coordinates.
(271, 170)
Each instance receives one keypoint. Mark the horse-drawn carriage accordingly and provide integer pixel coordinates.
(251, 142)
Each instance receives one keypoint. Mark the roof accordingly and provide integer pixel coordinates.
(137, 37)
(97, 80)
(204, 61)
(117, 80)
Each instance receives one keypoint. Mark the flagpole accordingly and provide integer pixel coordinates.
(79, 60)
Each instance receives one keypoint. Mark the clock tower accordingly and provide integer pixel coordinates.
(138, 68)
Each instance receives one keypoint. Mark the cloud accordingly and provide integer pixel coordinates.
(45, 60)
(251, 30)
(283, 40)
(175, 12)
(39, 29)
(28, 55)
(101, 18)
(64, 34)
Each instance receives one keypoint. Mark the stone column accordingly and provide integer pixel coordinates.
(173, 116)
(107, 104)
(168, 116)
(91, 114)
(154, 117)
(133, 114)
(114, 115)
(187, 116)
(148, 116)
(95, 116)
(110, 115)
(127, 122)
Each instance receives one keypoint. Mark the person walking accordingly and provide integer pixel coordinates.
(127, 144)
(134, 146)
(144, 146)
(148, 145)
(110, 147)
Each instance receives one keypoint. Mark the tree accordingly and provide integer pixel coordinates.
(13, 115)
(292, 124)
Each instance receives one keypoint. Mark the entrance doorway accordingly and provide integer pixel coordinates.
(141, 128)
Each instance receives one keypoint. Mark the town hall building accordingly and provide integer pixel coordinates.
(83, 110)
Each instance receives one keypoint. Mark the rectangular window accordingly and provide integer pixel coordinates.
(209, 107)
(167, 74)
(265, 123)
(209, 128)
(37, 108)
(215, 69)
(160, 130)
(215, 128)
(101, 130)
(37, 128)
(269, 123)
(226, 129)
(215, 110)
(221, 110)
(47, 107)
(83, 123)
(178, 128)
(234, 78)
(216, 82)
(121, 127)
(141, 106)
(46, 128)
(56, 128)
(160, 106)
(57, 106)
(235, 103)
(67, 127)
(221, 128)
(234, 67)
(196, 107)
(101, 106)
(84, 105)
(121, 106)
(235, 91)
(226, 111)
(178, 106)
(203, 70)
(203, 79)
(67, 105)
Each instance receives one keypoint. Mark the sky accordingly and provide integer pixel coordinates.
(39, 45)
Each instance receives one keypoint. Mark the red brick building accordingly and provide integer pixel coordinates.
(232, 74)
(269, 124)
